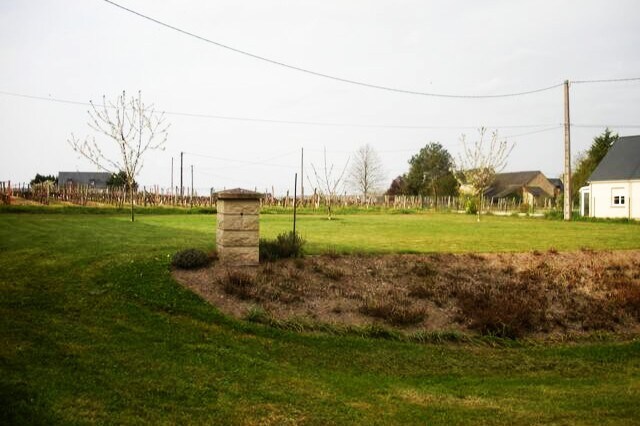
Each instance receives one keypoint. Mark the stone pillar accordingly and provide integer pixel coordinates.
(238, 229)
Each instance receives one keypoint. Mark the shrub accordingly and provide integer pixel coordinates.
(257, 314)
(628, 297)
(508, 310)
(396, 309)
(239, 284)
(286, 245)
(470, 206)
(190, 259)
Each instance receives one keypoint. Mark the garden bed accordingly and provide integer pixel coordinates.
(507, 295)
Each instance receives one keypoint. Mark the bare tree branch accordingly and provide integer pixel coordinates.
(366, 174)
(132, 126)
(327, 183)
(479, 163)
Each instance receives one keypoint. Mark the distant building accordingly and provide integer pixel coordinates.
(613, 188)
(92, 179)
(531, 187)
(559, 184)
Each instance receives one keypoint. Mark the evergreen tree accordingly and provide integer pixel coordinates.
(587, 162)
(431, 172)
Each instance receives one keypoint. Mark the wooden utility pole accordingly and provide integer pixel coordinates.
(302, 175)
(181, 186)
(192, 185)
(171, 176)
(567, 154)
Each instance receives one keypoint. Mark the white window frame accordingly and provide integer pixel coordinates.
(618, 197)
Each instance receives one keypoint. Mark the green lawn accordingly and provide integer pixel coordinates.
(94, 330)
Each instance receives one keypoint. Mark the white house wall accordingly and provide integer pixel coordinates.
(601, 200)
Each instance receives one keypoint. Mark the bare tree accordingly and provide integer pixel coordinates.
(366, 174)
(134, 127)
(479, 163)
(327, 183)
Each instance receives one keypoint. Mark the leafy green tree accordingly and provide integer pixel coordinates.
(587, 161)
(43, 178)
(431, 172)
(119, 180)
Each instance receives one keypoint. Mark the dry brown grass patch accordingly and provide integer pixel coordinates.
(507, 294)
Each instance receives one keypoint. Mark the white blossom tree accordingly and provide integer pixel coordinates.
(480, 161)
(134, 128)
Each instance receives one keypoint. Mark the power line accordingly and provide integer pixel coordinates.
(334, 124)
(448, 145)
(293, 122)
(326, 123)
(614, 126)
(609, 80)
(319, 74)
(42, 98)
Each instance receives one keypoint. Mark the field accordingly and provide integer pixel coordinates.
(94, 330)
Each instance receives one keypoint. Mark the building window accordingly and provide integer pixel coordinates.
(618, 197)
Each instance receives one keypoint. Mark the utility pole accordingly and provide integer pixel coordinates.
(181, 187)
(302, 175)
(171, 176)
(567, 154)
(295, 204)
(192, 185)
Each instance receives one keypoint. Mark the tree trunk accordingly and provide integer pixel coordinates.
(131, 196)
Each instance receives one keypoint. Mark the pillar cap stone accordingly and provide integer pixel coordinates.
(238, 194)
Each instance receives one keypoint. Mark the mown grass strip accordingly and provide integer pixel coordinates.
(94, 330)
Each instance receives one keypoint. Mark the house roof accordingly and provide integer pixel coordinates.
(503, 192)
(557, 182)
(536, 191)
(622, 162)
(86, 174)
(97, 179)
(83, 176)
(507, 183)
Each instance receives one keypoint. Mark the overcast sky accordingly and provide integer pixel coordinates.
(80, 50)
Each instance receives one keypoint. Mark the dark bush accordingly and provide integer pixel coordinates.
(239, 284)
(628, 297)
(190, 259)
(286, 245)
(508, 309)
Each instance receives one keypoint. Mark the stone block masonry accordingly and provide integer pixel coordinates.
(238, 228)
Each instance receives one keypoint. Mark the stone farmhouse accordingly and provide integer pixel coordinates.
(532, 187)
(92, 179)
